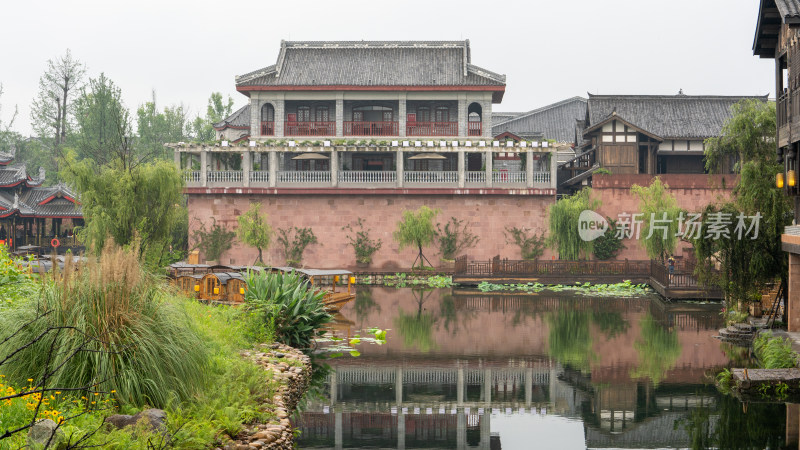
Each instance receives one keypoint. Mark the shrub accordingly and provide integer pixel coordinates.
(125, 337)
(287, 304)
(531, 247)
(454, 238)
(361, 242)
(774, 352)
(608, 245)
(213, 242)
(294, 243)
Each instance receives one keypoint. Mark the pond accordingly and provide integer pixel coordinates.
(466, 369)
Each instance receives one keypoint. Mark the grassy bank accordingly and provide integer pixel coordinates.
(209, 402)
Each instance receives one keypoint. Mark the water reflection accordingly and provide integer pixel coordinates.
(467, 369)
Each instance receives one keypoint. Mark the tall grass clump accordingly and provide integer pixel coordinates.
(288, 305)
(124, 337)
(774, 352)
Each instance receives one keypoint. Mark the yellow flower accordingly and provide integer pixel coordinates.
(30, 380)
(113, 391)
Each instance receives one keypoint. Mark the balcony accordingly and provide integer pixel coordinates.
(309, 128)
(432, 177)
(371, 129)
(474, 128)
(267, 128)
(368, 177)
(432, 129)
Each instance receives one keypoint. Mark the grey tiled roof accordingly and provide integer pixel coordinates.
(373, 63)
(789, 9)
(503, 116)
(238, 119)
(555, 121)
(30, 200)
(667, 116)
(12, 174)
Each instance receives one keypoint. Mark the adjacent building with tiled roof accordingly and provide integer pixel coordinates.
(30, 211)
(553, 122)
(648, 134)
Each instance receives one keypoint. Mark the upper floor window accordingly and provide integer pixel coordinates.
(267, 113)
(322, 114)
(303, 114)
(423, 114)
(442, 114)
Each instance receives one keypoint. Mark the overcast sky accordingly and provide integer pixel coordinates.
(549, 50)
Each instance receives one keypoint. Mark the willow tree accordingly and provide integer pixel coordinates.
(660, 218)
(657, 350)
(564, 216)
(254, 230)
(417, 229)
(748, 262)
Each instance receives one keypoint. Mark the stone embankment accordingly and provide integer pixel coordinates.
(291, 370)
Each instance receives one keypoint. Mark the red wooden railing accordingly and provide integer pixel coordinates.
(268, 128)
(370, 129)
(432, 129)
(309, 128)
(474, 128)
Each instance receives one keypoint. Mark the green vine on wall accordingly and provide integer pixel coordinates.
(294, 241)
(213, 242)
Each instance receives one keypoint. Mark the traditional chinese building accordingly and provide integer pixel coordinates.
(777, 38)
(338, 130)
(33, 214)
(647, 134)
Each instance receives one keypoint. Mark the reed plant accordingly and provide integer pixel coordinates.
(287, 304)
(774, 352)
(107, 324)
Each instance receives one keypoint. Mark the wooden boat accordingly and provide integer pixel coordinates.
(189, 285)
(326, 281)
(223, 287)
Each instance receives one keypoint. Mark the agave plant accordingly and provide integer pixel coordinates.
(289, 305)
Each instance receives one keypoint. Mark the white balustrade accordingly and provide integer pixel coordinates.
(191, 176)
(304, 176)
(541, 177)
(431, 177)
(475, 177)
(508, 177)
(224, 176)
(259, 176)
(367, 176)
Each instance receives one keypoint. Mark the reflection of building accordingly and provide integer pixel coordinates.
(459, 392)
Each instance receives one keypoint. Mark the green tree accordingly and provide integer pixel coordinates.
(660, 217)
(53, 109)
(608, 245)
(134, 206)
(104, 127)
(564, 215)
(217, 109)
(657, 350)
(749, 135)
(417, 229)
(746, 264)
(254, 230)
(156, 128)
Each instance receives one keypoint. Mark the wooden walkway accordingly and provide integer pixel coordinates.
(680, 285)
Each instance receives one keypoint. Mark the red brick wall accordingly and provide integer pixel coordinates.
(487, 215)
(692, 192)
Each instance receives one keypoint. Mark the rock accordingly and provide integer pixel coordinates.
(279, 355)
(44, 431)
(155, 419)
